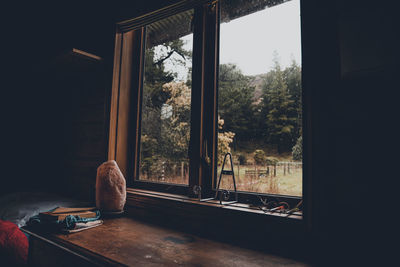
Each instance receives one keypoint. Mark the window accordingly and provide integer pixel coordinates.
(198, 79)
(259, 97)
(166, 101)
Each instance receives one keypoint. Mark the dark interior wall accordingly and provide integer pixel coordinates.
(45, 93)
(54, 138)
(351, 60)
(352, 89)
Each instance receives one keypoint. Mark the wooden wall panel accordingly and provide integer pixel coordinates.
(114, 98)
(85, 121)
(124, 101)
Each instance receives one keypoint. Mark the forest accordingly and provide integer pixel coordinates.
(259, 121)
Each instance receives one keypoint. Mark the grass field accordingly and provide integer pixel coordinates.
(249, 177)
(253, 179)
(284, 182)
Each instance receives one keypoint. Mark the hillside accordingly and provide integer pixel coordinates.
(257, 81)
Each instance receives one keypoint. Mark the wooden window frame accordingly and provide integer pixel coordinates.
(126, 103)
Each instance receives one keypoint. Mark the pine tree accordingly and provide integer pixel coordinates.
(292, 75)
(281, 115)
(235, 102)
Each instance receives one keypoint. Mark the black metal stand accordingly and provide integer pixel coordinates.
(225, 194)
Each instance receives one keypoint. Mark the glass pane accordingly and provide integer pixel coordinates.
(259, 97)
(165, 124)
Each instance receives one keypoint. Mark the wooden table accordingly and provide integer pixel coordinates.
(129, 242)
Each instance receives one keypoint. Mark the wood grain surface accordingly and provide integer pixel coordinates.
(134, 243)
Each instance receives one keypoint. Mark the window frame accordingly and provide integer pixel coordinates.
(205, 64)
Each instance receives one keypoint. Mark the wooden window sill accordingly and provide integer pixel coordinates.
(128, 242)
(139, 197)
(238, 225)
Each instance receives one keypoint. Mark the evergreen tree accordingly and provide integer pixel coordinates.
(235, 102)
(281, 115)
(292, 76)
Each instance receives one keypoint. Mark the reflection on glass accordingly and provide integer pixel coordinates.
(165, 124)
(259, 97)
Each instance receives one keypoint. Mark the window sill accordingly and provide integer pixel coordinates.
(134, 195)
(129, 242)
(239, 225)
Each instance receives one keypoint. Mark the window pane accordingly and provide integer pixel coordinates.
(165, 124)
(259, 97)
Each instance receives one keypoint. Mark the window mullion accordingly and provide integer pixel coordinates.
(196, 109)
(203, 131)
(210, 98)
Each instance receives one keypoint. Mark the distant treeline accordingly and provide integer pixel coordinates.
(267, 111)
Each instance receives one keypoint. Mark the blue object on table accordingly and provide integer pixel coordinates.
(68, 223)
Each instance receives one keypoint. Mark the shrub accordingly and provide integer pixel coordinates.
(259, 157)
(242, 159)
(297, 150)
(224, 141)
(271, 161)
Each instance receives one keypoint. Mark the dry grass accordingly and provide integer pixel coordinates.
(284, 183)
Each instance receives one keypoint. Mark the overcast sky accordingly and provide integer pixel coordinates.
(250, 41)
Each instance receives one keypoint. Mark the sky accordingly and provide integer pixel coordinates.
(250, 41)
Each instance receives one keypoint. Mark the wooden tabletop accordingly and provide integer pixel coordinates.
(134, 243)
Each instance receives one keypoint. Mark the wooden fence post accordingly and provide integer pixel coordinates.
(182, 170)
(238, 174)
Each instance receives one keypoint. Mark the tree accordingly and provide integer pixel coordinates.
(259, 157)
(166, 113)
(281, 115)
(297, 150)
(224, 141)
(164, 138)
(148, 156)
(175, 117)
(235, 101)
(292, 76)
(168, 49)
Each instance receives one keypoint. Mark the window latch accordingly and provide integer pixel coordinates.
(206, 159)
(213, 4)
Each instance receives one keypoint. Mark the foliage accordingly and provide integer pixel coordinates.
(292, 77)
(165, 128)
(259, 157)
(270, 114)
(166, 112)
(148, 157)
(242, 159)
(281, 115)
(156, 75)
(224, 141)
(271, 160)
(297, 151)
(175, 127)
(235, 101)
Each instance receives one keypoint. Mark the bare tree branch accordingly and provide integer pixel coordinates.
(161, 60)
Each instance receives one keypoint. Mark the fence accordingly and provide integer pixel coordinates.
(286, 166)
